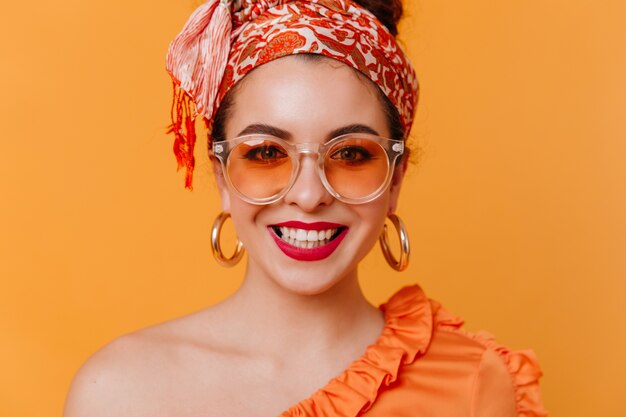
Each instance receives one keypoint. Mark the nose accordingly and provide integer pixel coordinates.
(308, 191)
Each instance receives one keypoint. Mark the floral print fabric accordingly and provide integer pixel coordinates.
(338, 29)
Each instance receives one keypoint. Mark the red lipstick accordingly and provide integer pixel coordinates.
(309, 254)
(309, 226)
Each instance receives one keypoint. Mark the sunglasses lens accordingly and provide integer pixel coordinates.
(355, 168)
(259, 168)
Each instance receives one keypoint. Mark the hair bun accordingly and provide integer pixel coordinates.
(389, 12)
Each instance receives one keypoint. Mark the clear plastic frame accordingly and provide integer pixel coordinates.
(354, 168)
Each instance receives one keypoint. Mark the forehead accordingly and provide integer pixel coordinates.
(308, 98)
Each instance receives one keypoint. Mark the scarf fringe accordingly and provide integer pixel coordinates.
(183, 128)
(196, 61)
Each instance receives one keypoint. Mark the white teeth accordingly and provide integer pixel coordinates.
(306, 238)
(301, 234)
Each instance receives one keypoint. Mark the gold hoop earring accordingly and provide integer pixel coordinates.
(405, 247)
(216, 232)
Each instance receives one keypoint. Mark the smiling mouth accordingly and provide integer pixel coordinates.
(307, 239)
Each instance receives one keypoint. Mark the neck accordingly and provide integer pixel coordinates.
(277, 319)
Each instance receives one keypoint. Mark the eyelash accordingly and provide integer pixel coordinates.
(257, 153)
(363, 154)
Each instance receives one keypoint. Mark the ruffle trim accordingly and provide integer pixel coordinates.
(405, 336)
(522, 364)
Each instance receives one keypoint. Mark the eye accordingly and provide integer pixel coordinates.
(352, 154)
(265, 153)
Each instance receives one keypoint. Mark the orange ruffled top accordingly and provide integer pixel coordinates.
(423, 364)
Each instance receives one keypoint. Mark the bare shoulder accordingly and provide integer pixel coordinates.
(117, 372)
(145, 373)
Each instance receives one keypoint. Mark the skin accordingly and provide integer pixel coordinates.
(247, 355)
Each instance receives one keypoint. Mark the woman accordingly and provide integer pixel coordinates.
(308, 104)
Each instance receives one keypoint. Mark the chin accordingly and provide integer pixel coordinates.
(287, 274)
(307, 279)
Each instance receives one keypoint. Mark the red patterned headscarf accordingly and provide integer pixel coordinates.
(223, 40)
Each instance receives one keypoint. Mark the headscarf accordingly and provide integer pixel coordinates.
(223, 40)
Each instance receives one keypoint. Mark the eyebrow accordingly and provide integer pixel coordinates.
(353, 128)
(264, 129)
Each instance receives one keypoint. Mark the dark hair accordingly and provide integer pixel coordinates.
(388, 12)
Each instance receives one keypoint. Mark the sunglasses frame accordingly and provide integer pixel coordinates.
(393, 149)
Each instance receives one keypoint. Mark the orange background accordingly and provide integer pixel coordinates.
(515, 209)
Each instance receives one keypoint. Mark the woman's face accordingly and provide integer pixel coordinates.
(306, 101)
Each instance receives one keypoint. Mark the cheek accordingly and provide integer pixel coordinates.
(243, 216)
(373, 214)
